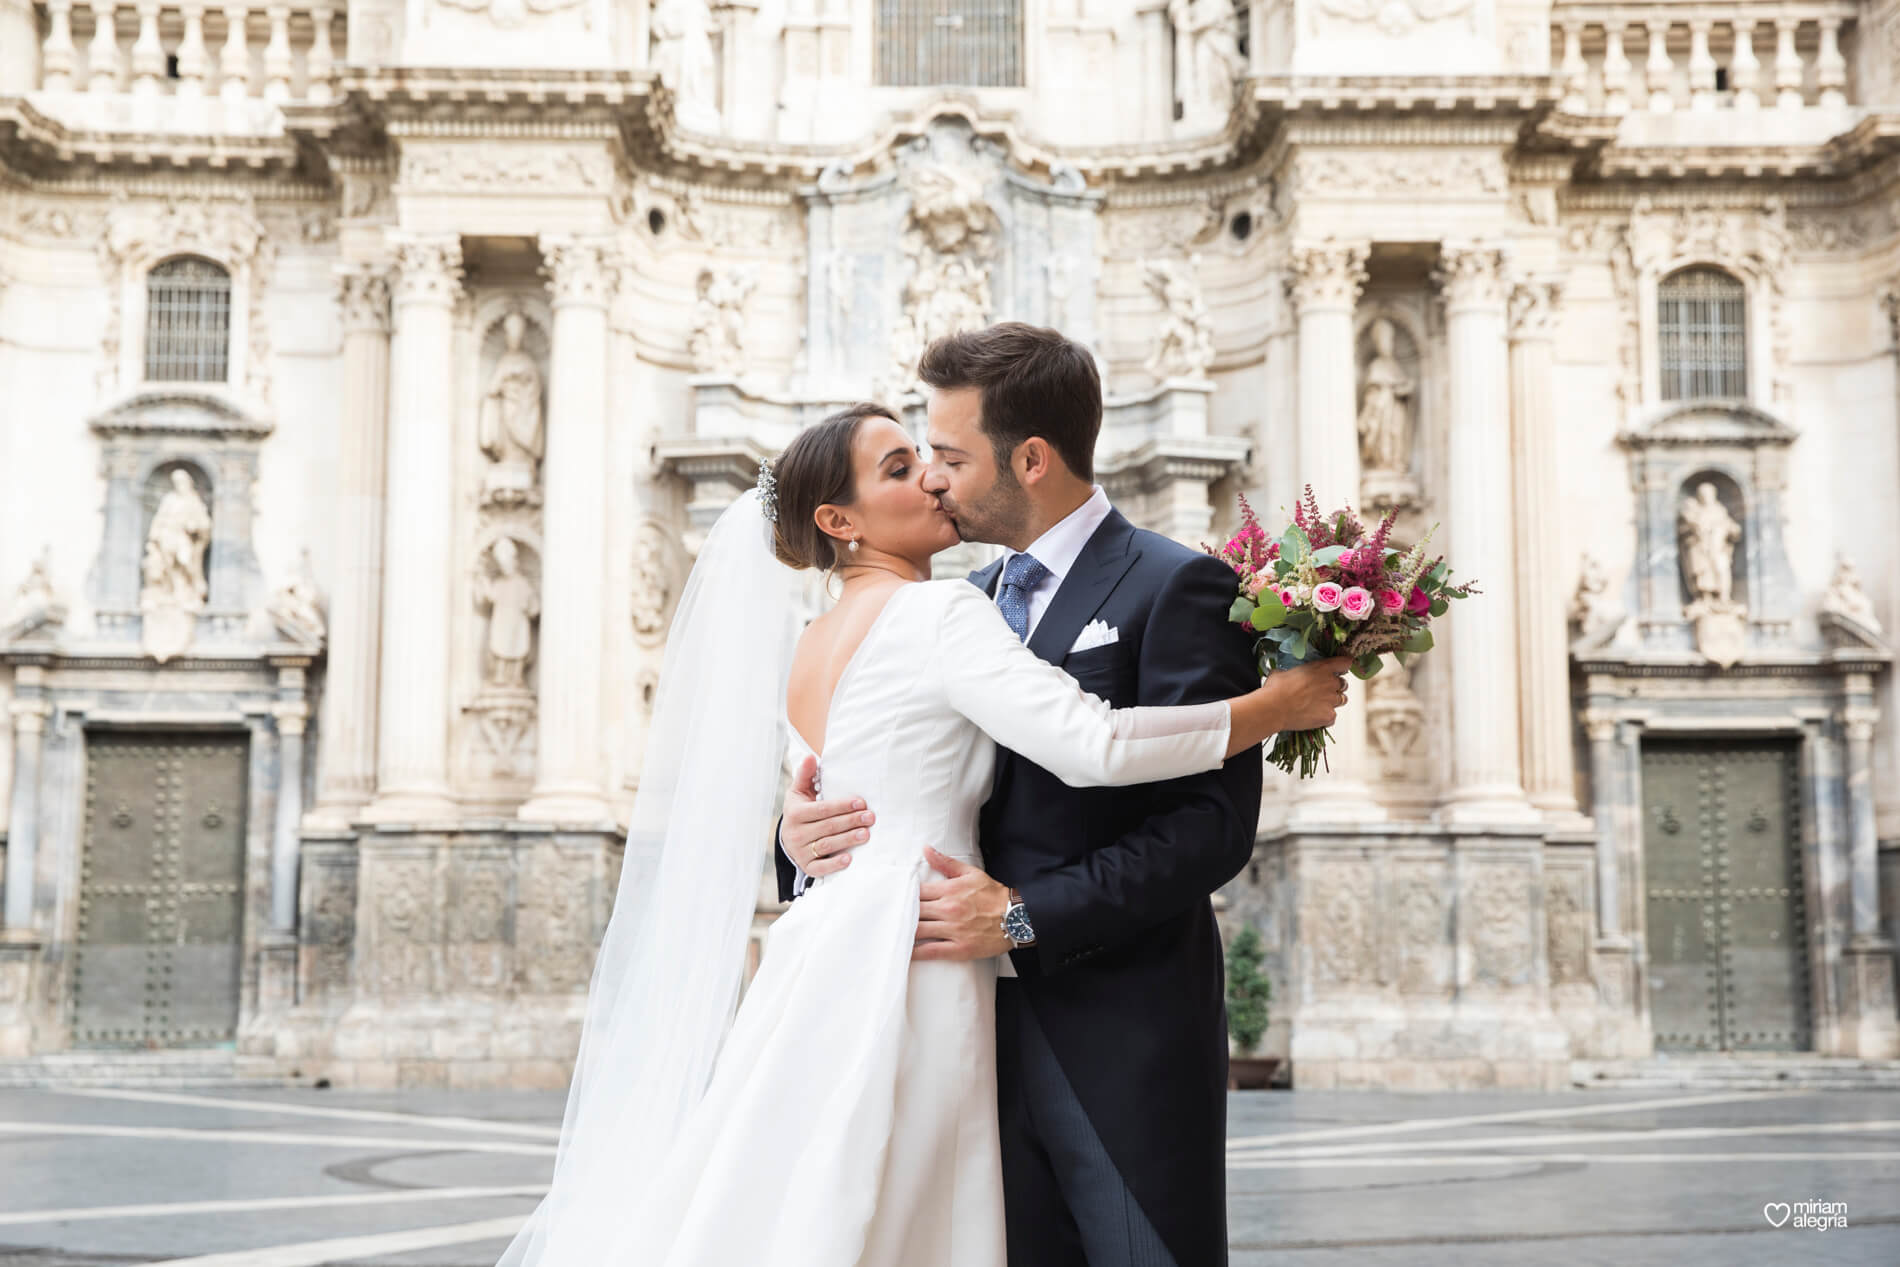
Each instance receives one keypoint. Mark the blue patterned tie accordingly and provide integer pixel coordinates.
(1021, 575)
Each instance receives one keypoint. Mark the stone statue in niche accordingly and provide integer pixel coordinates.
(1385, 404)
(36, 605)
(718, 339)
(1708, 537)
(683, 56)
(1207, 60)
(512, 431)
(1185, 348)
(653, 580)
(1846, 600)
(512, 603)
(172, 572)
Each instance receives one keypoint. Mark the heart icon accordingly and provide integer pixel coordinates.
(1776, 1212)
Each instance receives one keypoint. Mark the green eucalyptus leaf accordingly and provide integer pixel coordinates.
(1269, 612)
(1242, 609)
(1329, 556)
(1440, 606)
(1367, 666)
(1294, 545)
(1419, 643)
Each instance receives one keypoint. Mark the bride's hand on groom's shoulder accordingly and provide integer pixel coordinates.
(818, 836)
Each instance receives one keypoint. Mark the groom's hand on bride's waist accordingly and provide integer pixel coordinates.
(818, 836)
(961, 915)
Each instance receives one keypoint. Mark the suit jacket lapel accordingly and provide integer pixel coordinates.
(1101, 565)
(985, 578)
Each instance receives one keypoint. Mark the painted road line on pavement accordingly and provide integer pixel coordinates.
(86, 1213)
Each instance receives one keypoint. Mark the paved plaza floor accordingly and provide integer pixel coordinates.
(256, 1177)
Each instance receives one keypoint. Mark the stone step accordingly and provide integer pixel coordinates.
(1794, 1072)
(170, 1067)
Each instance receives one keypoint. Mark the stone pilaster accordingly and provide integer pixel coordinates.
(29, 711)
(291, 716)
(346, 756)
(1870, 1028)
(1323, 285)
(1486, 783)
(1542, 627)
(413, 736)
(568, 781)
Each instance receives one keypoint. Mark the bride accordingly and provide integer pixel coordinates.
(847, 1114)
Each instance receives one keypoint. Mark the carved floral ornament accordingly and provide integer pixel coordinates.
(1471, 277)
(1396, 18)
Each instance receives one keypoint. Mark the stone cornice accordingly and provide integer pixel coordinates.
(34, 144)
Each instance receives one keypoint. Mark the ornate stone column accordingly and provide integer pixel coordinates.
(29, 711)
(346, 756)
(1486, 784)
(1323, 285)
(413, 716)
(568, 779)
(1544, 673)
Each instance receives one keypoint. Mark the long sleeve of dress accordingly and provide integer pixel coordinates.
(1033, 708)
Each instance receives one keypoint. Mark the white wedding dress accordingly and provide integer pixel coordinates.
(850, 1120)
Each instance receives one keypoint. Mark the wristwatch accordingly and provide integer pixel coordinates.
(1016, 924)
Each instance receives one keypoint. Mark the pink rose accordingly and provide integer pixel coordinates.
(1356, 603)
(1253, 585)
(1391, 600)
(1419, 603)
(1288, 598)
(1327, 596)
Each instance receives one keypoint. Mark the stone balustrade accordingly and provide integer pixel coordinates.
(192, 49)
(1664, 57)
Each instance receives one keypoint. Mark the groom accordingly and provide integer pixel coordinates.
(1110, 1025)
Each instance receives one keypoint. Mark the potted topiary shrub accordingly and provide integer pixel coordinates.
(1248, 992)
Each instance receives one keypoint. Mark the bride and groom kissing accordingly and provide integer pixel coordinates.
(989, 1029)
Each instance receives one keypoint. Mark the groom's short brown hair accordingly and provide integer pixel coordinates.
(1032, 382)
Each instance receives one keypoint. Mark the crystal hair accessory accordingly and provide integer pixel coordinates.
(768, 491)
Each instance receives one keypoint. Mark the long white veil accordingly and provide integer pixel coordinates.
(666, 983)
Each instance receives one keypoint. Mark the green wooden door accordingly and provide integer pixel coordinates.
(1723, 899)
(157, 957)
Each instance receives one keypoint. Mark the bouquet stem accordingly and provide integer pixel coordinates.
(1301, 750)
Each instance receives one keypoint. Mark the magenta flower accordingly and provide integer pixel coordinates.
(1419, 603)
(1327, 596)
(1391, 600)
(1288, 598)
(1357, 603)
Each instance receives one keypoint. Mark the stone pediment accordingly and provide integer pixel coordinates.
(205, 410)
(1725, 423)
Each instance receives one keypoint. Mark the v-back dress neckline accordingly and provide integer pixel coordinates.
(844, 676)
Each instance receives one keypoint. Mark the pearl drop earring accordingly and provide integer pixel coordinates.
(854, 545)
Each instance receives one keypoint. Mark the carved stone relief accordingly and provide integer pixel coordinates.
(656, 572)
(1207, 61)
(717, 342)
(949, 245)
(296, 610)
(1709, 537)
(403, 912)
(1394, 717)
(1495, 918)
(1339, 901)
(1570, 925)
(1383, 174)
(1424, 931)
(1184, 348)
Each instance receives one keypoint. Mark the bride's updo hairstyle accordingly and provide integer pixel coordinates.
(816, 470)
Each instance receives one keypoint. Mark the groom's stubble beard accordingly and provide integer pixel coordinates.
(1000, 517)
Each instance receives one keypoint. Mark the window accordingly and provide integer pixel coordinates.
(187, 322)
(1701, 321)
(968, 43)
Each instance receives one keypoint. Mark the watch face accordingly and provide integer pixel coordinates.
(1016, 925)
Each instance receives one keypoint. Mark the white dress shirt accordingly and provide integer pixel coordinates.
(1059, 548)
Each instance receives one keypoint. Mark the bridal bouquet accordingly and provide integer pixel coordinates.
(1326, 587)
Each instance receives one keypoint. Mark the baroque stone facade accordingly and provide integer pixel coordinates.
(375, 372)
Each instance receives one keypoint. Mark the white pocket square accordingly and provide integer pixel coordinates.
(1097, 633)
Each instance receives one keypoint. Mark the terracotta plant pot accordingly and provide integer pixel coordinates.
(1251, 1073)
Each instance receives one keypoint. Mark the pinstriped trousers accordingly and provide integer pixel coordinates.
(1066, 1204)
